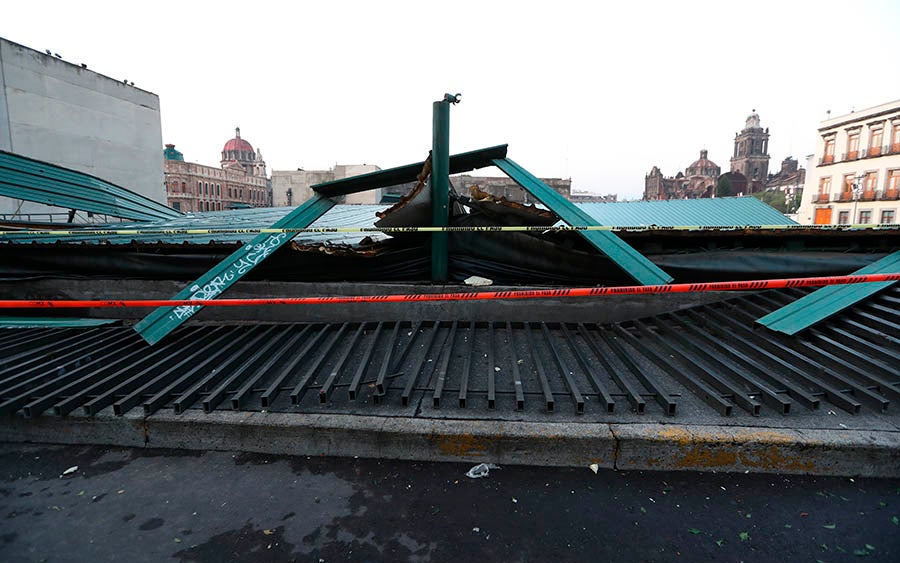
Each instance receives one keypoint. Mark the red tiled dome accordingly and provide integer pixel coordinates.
(237, 144)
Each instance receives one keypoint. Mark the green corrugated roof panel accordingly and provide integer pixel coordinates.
(632, 262)
(345, 215)
(42, 182)
(825, 302)
(44, 322)
(229, 271)
(709, 212)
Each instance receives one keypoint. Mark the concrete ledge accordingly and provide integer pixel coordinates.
(661, 447)
(764, 450)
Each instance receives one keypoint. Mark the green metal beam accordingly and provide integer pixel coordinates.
(439, 184)
(226, 273)
(827, 301)
(636, 265)
(42, 182)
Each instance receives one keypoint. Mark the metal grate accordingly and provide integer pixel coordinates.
(714, 352)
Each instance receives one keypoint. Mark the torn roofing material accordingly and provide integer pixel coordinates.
(827, 301)
(709, 212)
(42, 182)
(459, 163)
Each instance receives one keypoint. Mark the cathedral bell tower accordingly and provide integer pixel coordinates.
(751, 148)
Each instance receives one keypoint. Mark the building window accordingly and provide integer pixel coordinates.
(847, 188)
(875, 138)
(199, 188)
(829, 151)
(871, 182)
(893, 185)
(887, 216)
(865, 217)
(844, 218)
(218, 189)
(852, 144)
(895, 138)
(176, 205)
(824, 189)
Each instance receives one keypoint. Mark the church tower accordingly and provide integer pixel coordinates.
(751, 148)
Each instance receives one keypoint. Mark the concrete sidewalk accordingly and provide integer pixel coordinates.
(873, 452)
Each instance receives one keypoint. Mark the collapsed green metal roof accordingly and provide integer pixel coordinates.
(42, 182)
(825, 302)
(711, 212)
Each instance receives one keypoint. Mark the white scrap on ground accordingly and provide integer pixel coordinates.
(477, 281)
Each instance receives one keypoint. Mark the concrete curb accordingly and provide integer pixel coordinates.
(620, 446)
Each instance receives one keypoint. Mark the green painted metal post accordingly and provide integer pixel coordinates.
(440, 185)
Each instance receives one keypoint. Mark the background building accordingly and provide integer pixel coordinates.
(697, 181)
(857, 169)
(751, 158)
(240, 182)
(293, 187)
(504, 186)
(68, 115)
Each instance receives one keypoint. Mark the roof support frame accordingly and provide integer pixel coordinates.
(229, 271)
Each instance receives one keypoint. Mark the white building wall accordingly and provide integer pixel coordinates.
(885, 116)
(62, 113)
(299, 183)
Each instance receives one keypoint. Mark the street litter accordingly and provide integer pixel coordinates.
(69, 471)
(594, 467)
(477, 281)
(481, 470)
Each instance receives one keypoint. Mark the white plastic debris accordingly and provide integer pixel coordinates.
(69, 471)
(477, 281)
(496, 368)
(476, 529)
(481, 470)
(594, 467)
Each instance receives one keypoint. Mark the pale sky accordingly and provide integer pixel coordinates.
(599, 92)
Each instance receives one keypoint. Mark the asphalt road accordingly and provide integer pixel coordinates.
(152, 505)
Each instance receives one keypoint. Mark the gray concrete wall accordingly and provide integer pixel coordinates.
(62, 113)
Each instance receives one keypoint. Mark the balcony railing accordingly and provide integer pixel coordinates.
(891, 194)
(867, 195)
(820, 198)
(844, 196)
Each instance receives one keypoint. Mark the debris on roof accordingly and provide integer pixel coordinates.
(42, 182)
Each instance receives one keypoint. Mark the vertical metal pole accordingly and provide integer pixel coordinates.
(440, 187)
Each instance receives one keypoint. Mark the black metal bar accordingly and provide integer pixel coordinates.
(542, 376)
(878, 324)
(855, 367)
(380, 390)
(752, 344)
(338, 368)
(649, 382)
(300, 388)
(413, 335)
(692, 325)
(203, 354)
(245, 367)
(564, 370)
(783, 348)
(364, 362)
(45, 380)
(443, 364)
(171, 353)
(609, 404)
(467, 365)
(237, 399)
(631, 394)
(712, 367)
(492, 372)
(514, 363)
(21, 361)
(414, 375)
(212, 366)
(875, 353)
(16, 343)
(48, 363)
(274, 387)
(91, 372)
